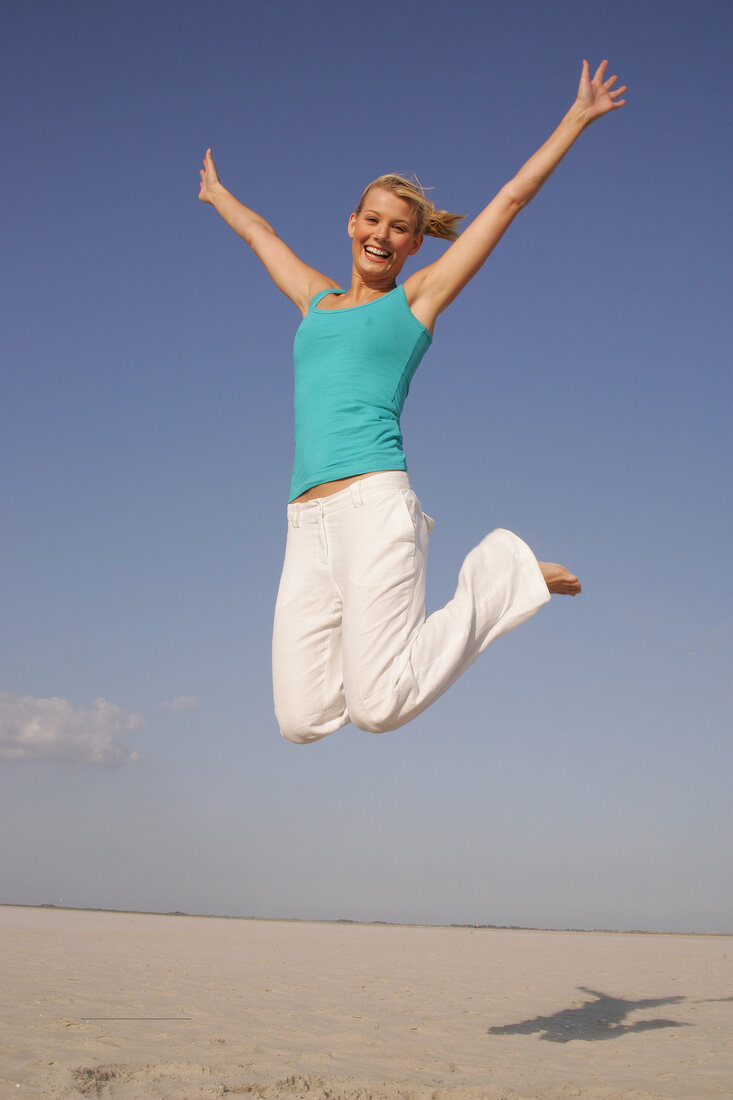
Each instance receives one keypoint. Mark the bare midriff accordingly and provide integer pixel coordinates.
(328, 488)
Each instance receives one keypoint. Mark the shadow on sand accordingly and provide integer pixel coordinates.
(602, 1018)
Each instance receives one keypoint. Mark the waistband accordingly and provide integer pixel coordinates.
(355, 495)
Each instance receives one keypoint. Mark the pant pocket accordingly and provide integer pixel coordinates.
(416, 512)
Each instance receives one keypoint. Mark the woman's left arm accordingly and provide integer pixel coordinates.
(433, 288)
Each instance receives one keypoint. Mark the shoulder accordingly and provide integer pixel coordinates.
(318, 286)
(417, 292)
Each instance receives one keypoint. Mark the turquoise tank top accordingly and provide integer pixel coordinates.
(353, 368)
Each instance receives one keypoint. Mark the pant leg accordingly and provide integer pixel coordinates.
(397, 661)
(306, 642)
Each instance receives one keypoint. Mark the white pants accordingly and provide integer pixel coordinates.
(351, 642)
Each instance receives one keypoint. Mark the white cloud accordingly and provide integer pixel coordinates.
(183, 702)
(53, 729)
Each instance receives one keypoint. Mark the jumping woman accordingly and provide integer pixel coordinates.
(351, 642)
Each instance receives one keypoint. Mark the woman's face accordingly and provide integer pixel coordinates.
(383, 235)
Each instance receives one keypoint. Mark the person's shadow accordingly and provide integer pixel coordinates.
(602, 1018)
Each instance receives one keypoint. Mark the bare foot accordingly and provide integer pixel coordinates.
(559, 580)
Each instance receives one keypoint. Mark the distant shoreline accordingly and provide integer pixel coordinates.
(357, 923)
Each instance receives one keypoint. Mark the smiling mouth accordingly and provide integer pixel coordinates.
(376, 253)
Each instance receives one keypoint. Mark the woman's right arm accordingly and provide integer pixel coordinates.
(297, 280)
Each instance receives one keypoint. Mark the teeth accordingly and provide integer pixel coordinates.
(375, 251)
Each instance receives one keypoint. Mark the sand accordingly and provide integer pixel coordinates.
(119, 1005)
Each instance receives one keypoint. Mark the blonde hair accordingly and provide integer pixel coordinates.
(428, 220)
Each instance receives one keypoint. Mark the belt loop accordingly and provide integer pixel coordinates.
(296, 515)
(356, 497)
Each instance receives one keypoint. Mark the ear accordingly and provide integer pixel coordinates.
(352, 225)
(419, 238)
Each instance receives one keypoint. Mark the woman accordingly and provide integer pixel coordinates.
(351, 642)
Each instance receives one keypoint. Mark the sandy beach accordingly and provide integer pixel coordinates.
(136, 1006)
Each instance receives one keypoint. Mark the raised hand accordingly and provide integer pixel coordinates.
(209, 179)
(597, 97)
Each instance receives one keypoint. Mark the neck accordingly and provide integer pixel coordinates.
(360, 292)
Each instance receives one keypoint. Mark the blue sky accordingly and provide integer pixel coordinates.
(578, 392)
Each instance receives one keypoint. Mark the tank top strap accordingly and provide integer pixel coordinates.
(322, 294)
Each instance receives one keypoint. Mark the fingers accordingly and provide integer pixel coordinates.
(608, 83)
(208, 176)
(613, 94)
(601, 86)
(598, 75)
(208, 172)
(210, 166)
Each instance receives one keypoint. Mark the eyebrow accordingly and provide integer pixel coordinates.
(369, 210)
